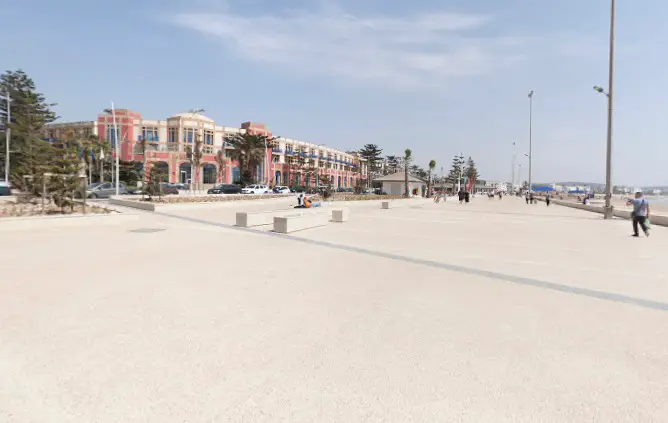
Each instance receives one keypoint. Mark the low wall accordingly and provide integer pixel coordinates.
(142, 205)
(622, 214)
(62, 221)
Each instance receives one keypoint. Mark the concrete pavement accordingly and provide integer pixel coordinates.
(494, 311)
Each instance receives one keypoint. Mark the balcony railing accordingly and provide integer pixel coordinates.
(277, 151)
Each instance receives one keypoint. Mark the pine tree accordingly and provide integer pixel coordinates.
(372, 154)
(29, 112)
(65, 178)
(456, 170)
(471, 171)
(392, 165)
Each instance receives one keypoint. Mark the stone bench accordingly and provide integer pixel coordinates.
(299, 221)
(340, 215)
(385, 205)
(251, 219)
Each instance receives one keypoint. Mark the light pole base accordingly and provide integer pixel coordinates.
(608, 212)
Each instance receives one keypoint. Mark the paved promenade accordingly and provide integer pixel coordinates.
(495, 311)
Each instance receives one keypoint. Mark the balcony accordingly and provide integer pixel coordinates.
(277, 151)
(289, 153)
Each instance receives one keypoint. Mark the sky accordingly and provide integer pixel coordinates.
(440, 77)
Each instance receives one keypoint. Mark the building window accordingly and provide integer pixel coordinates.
(208, 137)
(172, 135)
(149, 133)
(112, 135)
(188, 135)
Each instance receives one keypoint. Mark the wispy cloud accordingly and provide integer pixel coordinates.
(421, 50)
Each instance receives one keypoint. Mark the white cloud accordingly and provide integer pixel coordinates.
(423, 50)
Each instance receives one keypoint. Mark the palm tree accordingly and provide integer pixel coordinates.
(432, 165)
(222, 166)
(408, 156)
(249, 151)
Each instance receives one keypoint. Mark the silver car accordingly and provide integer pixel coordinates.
(104, 190)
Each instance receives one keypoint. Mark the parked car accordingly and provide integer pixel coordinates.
(5, 189)
(169, 189)
(182, 187)
(281, 190)
(104, 190)
(225, 189)
(255, 189)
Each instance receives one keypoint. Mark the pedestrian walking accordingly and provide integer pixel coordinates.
(640, 213)
(526, 197)
(547, 199)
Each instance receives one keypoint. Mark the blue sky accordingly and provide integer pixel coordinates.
(440, 77)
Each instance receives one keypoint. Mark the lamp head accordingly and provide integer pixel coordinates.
(598, 89)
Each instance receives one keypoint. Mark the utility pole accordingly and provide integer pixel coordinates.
(530, 136)
(512, 183)
(608, 157)
(116, 149)
(8, 135)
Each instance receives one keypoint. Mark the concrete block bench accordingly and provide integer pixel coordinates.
(299, 221)
(340, 215)
(250, 219)
(385, 205)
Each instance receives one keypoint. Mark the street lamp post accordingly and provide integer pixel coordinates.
(512, 183)
(530, 136)
(116, 144)
(608, 212)
(7, 135)
(460, 161)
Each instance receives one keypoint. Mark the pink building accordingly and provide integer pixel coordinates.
(288, 161)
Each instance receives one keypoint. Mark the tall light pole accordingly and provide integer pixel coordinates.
(530, 136)
(512, 183)
(519, 175)
(116, 144)
(7, 135)
(608, 156)
(460, 161)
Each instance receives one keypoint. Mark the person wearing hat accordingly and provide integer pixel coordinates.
(640, 213)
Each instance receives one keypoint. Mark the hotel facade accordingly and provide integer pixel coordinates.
(287, 162)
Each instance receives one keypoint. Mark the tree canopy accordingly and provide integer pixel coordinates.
(29, 113)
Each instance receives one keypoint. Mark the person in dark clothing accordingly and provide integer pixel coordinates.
(467, 196)
(526, 197)
(547, 199)
(461, 196)
(532, 198)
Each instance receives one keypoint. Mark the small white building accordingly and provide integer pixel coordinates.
(394, 184)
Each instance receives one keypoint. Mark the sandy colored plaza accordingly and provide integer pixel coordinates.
(495, 311)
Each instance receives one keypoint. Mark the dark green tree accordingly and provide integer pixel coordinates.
(66, 179)
(29, 112)
(372, 154)
(471, 171)
(391, 165)
(456, 171)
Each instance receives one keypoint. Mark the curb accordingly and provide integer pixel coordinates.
(60, 221)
